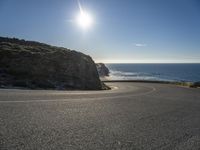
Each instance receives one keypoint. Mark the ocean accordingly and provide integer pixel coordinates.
(155, 72)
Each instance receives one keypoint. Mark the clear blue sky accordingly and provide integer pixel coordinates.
(123, 30)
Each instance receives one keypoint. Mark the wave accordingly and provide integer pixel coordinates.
(121, 75)
(160, 72)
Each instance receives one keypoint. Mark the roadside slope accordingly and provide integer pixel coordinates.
(36, 65)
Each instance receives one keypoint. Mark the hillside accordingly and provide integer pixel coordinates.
(36, 65)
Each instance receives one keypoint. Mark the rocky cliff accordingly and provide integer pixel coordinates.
(102, 69)
(36, 65)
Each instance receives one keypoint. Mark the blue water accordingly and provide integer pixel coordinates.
(158, 72)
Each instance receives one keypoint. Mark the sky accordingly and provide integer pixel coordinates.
(123, 31)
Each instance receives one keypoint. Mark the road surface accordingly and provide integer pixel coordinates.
(131, 116)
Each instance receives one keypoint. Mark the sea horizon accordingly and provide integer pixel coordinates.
(174, 72)
(153, 63)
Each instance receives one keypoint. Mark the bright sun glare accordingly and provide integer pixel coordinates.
(84, 20)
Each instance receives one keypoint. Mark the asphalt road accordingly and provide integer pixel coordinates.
(131, 116)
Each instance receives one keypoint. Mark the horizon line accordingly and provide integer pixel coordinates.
(147, 62)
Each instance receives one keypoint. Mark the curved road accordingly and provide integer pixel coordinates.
(131, 116)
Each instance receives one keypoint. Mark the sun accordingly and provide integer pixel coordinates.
(84, 20)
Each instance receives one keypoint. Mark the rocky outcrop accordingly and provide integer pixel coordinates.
(102, 69)
(36, 65)
(195, 84)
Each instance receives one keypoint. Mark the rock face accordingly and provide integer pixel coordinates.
(102, 69)
(36, 65)
(195, 84)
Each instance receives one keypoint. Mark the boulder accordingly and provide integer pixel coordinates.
(37, 65)
(195, 84)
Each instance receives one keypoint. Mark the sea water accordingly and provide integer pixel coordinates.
(155, 72)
